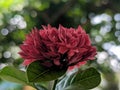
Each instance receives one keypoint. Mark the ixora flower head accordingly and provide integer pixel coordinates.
(62, 47)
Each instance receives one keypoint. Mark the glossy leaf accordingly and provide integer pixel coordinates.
(12, 74)
(89, 78)
(82, 80)
(39, 73)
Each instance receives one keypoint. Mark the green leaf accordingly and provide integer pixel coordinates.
(75, 87)
(88, 79)
(12, 74)
(39, 73)
(81, 80)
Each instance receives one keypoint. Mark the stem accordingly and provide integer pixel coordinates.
(54, 85)
(36, 87)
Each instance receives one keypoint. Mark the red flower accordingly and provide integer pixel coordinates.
(62, 47)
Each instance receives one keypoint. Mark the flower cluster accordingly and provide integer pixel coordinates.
(62, 47)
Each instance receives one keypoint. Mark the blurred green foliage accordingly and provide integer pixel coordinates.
(100, 19)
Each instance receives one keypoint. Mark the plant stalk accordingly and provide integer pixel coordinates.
(55, 83)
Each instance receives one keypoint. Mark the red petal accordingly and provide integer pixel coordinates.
(28, 61)
(62, 50)
(57, 62)
(78, 65)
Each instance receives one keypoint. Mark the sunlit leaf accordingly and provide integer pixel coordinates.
(12, 74)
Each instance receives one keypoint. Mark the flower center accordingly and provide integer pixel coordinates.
(63, 59)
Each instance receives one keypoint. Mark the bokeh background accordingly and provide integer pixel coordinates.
(100, 19)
